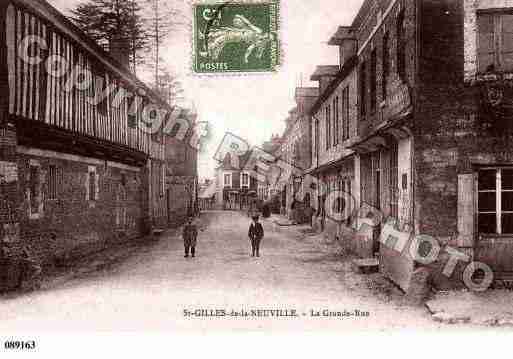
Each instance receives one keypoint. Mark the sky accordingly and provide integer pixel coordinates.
(253, 107)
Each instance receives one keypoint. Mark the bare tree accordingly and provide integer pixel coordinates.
(167, 85)
(161, 21)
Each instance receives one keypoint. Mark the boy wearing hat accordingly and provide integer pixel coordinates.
(256, 233)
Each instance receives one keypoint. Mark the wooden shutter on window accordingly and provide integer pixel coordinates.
(507, 42)
(486, 47)
(466, 210)
(96, 186)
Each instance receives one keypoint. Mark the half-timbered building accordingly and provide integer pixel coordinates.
(82, 155)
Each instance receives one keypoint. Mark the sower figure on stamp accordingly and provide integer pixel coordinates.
(190, 235)
(256, 233)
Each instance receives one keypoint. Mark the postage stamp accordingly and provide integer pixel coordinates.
(236, 37)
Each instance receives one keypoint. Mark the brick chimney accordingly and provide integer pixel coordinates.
(305, 99)
(345, 39)
(324, 75)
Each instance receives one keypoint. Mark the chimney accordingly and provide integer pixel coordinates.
(345, 39)
(305, 99)
(325, 75)
(119, 47)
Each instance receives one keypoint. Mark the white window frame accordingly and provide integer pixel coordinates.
(225, 183)
(242, 185)
(498, 199)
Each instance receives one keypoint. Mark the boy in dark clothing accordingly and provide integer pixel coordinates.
(255, 234)
(190, 235)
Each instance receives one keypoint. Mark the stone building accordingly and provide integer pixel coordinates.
(79, 169)
(295, 152)
(334, 129)
(429, 134)
(386, 43)
(236, 188)
(265, 191)
(181, 177)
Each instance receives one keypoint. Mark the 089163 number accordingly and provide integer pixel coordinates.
(20, 345)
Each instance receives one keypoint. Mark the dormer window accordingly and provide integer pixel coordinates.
(495, 42)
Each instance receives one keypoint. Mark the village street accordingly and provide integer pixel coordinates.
(151, 290)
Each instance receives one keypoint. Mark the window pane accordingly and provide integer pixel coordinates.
(507, 42)
(507, 201)
(507, 23)
(486, 62)
(487, 202)
(486, 43)
(507, 223)
(507, 179)
(485, 23)
(487, 180)
(487, 223)
(507, 61)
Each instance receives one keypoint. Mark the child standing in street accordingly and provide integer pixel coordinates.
(256, 233)
(190, 235)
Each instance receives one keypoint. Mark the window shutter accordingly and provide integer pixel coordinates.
(86, 184)
(96, 187)
(466, 210)
(507, 42)
(486, 46)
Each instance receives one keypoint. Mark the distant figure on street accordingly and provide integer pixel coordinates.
(310, 212)
(256, 233)
(253, 209)
(190, 235)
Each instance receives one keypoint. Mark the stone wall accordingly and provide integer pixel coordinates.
(69, 220)
(182, 194)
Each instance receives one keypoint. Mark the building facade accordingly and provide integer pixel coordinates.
(266, 189)
(79, 171)
(181, 172)
(428, 140)
(295, 154)
(236, 187)
(334, 129)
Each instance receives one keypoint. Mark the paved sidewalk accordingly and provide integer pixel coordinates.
(492, 308)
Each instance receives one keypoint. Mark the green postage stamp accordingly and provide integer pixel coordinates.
(236, 37)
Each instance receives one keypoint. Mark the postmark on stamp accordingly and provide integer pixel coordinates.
(236, 37)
